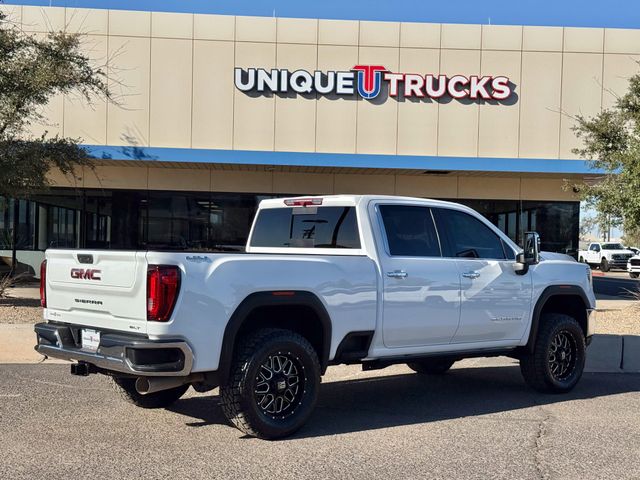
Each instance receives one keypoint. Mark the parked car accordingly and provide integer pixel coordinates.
(636, 251)
(606, 255)
(368, 280)
(633, 266)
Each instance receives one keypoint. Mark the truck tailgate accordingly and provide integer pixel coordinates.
(102, 289)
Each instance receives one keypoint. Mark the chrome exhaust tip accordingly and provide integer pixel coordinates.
(147, 385)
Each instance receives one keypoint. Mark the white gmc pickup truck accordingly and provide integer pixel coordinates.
(341, 279)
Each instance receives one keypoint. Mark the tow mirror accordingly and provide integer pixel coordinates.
(530, 255)
(521, 266)
(531, 248)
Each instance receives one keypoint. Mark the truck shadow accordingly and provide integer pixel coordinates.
(410, 399)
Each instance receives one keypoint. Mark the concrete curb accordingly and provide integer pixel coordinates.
(614, 354)
(631, 353)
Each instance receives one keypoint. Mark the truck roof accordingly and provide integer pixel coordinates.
(340, 200)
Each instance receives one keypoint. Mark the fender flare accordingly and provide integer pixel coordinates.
(549, 292)
(270, 299)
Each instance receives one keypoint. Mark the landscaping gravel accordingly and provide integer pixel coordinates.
(20, 310)
(625, 321)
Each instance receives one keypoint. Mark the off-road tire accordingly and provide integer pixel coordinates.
(433, 366)
(537, 367)
(604, 265)
(126, 388)
(241, 403)
(634, 274)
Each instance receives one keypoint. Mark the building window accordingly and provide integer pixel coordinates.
(558, 224)
(61, 227)
(231, 218)
(25, 226)
(6, 220)
(97, 219)
(128, 219)
(178, 221)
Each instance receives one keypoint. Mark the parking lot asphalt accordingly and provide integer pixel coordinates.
(471, 423)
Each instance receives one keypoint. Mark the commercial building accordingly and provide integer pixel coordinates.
(215, 113)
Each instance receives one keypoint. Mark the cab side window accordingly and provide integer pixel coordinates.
(468, 237)
(410, 231)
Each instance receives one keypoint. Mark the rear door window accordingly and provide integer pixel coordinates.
(410, 231)
(306, 227)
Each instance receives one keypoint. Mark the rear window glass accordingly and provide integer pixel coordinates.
(306, 227)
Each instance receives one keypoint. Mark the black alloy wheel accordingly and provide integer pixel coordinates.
(559, 353)
(273, 383)
(562, 355)
(279, 385)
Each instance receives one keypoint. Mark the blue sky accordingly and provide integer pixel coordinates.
(569, 13)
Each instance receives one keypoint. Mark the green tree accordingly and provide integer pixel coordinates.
(631, 238)
(32, 71)
(601, 223)
(611, 142)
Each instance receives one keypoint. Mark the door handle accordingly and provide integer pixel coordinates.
(471, 275)
(397, 274)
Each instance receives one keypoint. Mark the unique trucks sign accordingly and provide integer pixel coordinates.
(367, 82)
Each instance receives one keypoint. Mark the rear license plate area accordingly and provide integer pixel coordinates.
(90, 339)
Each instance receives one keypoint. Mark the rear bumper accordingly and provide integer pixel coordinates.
(117, 352)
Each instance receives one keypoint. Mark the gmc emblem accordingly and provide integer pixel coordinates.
(88, 274)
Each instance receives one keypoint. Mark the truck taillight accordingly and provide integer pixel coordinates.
(43, 284)
(163, 285)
